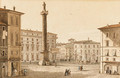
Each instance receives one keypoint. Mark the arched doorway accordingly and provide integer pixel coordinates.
(12, 68)
(108, 68)
(4, 70)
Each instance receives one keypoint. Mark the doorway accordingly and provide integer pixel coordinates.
(12, 68)
(3, 71)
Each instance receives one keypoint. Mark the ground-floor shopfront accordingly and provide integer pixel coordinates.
(10, 68)
(111, 67)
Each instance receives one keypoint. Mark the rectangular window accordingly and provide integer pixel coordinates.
(107, 53)
(27, 47)
(114, 35)
(32, 57)
(11, 52)
(107, 43)
(114, 59)
(11, 20)
(97, 46)
(115, 54)
(22, 47)
(12, 39)
(16, 20)
(85, 46)
(89, 46)
(27, 57)
(21, 57)
(107, 59)
(37, 57)
(32, 47)
(16, 52)
(97, 52)
(37, 47)
(107, 34)
(16, 39)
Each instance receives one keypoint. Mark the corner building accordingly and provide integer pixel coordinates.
(10, 49)
(110, 53)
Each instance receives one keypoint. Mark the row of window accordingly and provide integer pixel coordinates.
(14, 53)
(114, 54)
(14, 39)
(88, 46)
(32, 47)
(32, 57)
(53, 36)
(97, 51)
(36, 40)
(107, 59)
(108, 34)
(14, 20)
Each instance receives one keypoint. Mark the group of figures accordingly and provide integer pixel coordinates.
(110, 72)
(80, 68)
(24, 71)
(67, 72)
(14, 73)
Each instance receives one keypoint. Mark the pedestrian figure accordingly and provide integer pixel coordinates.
(25, 71)
(69, 72)
(79, 68)
(66, 72)
(15, 71)
(110, 72)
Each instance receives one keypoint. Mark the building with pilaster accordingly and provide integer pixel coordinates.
(110, 52)
(87, 51)
(31, 42)
(61, 55)
(10, 48)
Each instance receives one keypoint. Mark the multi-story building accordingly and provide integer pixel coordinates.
(87, 51)
(110, 55)
(70, 50)
(61, 55)
(31, 42)
(10, 51)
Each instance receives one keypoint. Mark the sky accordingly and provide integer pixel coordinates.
(78, 19)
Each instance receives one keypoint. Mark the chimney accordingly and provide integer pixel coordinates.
(14, 8)
(4, 7)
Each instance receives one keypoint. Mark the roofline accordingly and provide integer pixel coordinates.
(2, 9)
(36, 31)
(108, 27)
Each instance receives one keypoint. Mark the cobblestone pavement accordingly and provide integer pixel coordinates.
(90, 71)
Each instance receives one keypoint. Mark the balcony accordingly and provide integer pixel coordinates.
(14, 59)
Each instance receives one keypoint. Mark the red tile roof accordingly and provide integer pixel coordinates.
(2, 9)
(110, 26)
